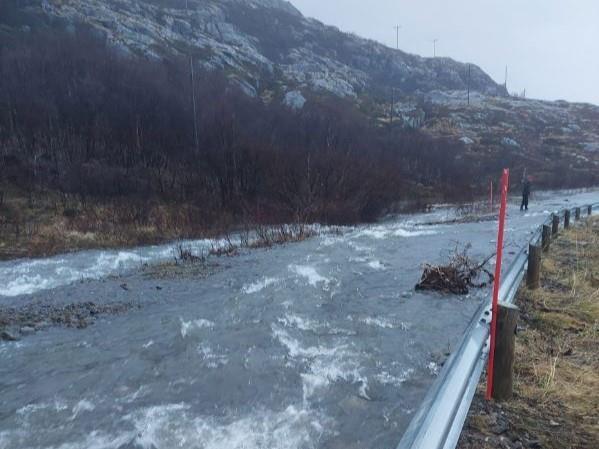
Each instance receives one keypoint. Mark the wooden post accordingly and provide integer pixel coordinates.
(567, 214)
(577, 213)
(533, 277)
(507, 323)
(546, 243)
(555, 225)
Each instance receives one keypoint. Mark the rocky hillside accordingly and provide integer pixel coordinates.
(270, 50)
(558, 141)
(263, 43)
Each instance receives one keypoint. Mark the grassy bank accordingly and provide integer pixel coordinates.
(49, 224)
(556, 391)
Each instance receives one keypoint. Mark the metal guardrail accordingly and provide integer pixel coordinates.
(440, 419)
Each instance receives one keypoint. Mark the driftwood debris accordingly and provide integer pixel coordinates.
(457, 277)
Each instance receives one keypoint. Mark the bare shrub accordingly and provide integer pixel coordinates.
(186, 255)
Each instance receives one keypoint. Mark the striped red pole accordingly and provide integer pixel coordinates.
(505, 182)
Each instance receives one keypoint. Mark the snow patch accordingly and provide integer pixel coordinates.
(509, 142)
(294, 99)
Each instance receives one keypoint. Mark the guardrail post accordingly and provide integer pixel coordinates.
(555, 225)
(577, 214)
(567, 215)
(507, 323)
(546, 238)
(533, 278)
(590, 210)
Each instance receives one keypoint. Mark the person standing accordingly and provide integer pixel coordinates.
(526, 187)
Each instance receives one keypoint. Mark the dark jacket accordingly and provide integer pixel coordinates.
(526, 187)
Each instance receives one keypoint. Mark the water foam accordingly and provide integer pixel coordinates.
(98, 440)
(188, 326)
(376, 265)
(381, 232)
(309, 273)
(415, 233)
(326, 365)
(174, 425)
(212, 359)
(298, 322)
(386, 378)
(56, 406)
(384, 323)
(259, 285)
(82, 406)
(23, 277)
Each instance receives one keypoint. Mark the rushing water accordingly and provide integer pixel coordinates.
(319, 344)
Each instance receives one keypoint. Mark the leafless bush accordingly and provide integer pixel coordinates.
(186, 255)
(228, 249)
(279, 235)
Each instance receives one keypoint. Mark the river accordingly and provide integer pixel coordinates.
(317, 344)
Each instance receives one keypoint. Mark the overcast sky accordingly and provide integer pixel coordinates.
(551, 47)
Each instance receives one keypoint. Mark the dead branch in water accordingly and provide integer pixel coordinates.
(458, 276)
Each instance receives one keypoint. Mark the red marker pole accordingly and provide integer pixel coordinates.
(505, 182)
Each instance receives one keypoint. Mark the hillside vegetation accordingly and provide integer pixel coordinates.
(132, 122)
(92, 142)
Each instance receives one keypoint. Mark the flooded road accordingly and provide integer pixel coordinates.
(318, 344)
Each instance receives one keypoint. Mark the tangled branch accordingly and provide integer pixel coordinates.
(457, 277)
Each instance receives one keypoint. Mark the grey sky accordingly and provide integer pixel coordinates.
(550, 46)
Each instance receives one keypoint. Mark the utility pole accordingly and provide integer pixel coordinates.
(505, 78)
(397, 28)
(392, 105)
(469, 72)
(435, 47)
(195, 109)
(193, 94)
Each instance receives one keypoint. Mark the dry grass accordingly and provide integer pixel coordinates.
(50, 224)
(556, 391)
